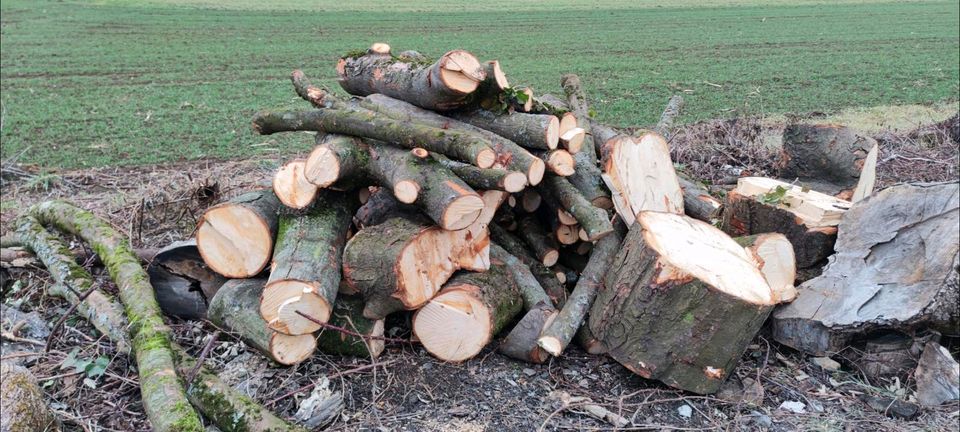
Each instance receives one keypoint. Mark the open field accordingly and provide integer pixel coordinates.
(134, 82)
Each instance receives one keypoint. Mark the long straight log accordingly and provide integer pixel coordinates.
(441, 85)
(592, 219)
(235, 238)
(490, 178)
(587, 179)
(305, 274)
(536, 131)
(510, 155)
(458, 145)
(162, 392)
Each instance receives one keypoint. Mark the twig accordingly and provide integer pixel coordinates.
(63, 318)
(338, 374)
(203, 357)
(352, 333)
(11, 335)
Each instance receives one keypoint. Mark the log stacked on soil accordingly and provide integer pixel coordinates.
(348, 314)
(680, 303)
(830, 153)
(441, 85)
(468, 312)
(535, 131)
(305, 274)
(236, 238)
(235, 308)
(808, 218)
(895, 267)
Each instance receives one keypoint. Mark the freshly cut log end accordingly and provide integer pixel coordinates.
(565, 217)
(291, 186)
(536, 171)
(641, 176)
(528, 105)
(567, 122)
(420, 152)
(499, 78)
(553, 132)
(567, 234)
(283, 299)
(236, 238)
(542, 246)
(675, 277)
(461, 71)
(379, 48)
(514, 182)
(485, 158)
(406, 191)
(462, 212)
(291, 350)
(773, 254)
(560, 162)
(322, 167)
(868, 175)
(338, 161)
(572, 140)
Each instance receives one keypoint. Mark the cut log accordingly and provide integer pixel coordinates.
(530, 201)
(697, 201)
(535, 131)
(290, 185)
(773, 255)
(639, 173)
(567, 234)
(592, 219)
(555, 337)
(938, 376)
(521, 342)
(568, 122)
(236, 238)
(235, 308)
(337, 161)
(379, 48)
(181, 281)
(544, 276)
(510, 155)
(401, 264)
(830, 153)
(808, 219)
(489, 92)
(441, 85)
(382, 206)
(465, 147)
(559, 162)
(895, 267)
(680, 303)
(491, 178)
(670, 113)
(550, 104)
(426, 183)
(24, 409)
(164, 400)
(539, 242)
(470, 310)
(566, 218)
(348, 314)
(305, 274)
(868, 176)
(572, 139)
(587, 179)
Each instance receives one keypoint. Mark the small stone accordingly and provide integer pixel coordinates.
(826, 363)
(794, 407)
(685, 411)
(762, 420)
(894, 408)
(752, 391)
(529, 372)
(583, 383)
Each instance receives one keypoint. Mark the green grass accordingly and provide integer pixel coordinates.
(132, 82)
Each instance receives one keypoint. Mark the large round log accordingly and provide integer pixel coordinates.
(348, 315)
(305, 274)
(442, 85)
(680, 303)
(235, 308)
(401, 264)
(236, 238)
(470, 310)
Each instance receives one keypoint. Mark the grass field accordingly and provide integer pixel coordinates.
(145, 81)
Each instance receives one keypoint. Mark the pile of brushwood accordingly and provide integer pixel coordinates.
(437, 187)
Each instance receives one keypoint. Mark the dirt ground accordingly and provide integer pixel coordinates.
(410, 390)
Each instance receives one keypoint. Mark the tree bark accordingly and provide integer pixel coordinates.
(549, 104)
(348, 314)
(439, 86)
(937, 376)
(542, 245)
(382, 206)
(305, 274)
(535, 131)
(470, 310)
(458, 145)
(670, 113)
(831, 153)
(680, 303)
(895, 267)
(235, 308)
(181, 281)
(697, 202)
(401, 264)
(162, 392)
(485, 179)
(235, 238)
(592, 219)
(24, 409)
(338, 161)
(587, 179)
(558, 334)
(510, 155)
(544, 276)
(521, 342)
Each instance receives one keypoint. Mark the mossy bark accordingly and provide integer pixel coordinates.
(162, 392)
(549, 104)
(530, 289)
(348, 314)
(664, 126)
(528, 130)
(546, 277)
(24, 409)
(510, 155)
(668, 326)
(71, 280)
(461, 146)
(592, 219)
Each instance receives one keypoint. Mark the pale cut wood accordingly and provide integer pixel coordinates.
(559, 162)
(773, 255)
(235, 238)
(568, 121)
(815, 209)
(291, 186)
(567, 234)
(640, 175)
(379, 48)
(572, 139)
(895, 267)
(565, 217)
(868, 176)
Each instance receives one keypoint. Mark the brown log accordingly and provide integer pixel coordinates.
(530, 201)
(535, 131)
(567, 234)
(588, 178)
(593, 220)
(697, 202)
(470, 310)
(521, 342)
(539, 242)
(441, 85)
(236, 238)
(181, 281)
(305, 274)
(680, 303)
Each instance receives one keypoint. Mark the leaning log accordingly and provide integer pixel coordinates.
(895, 267)
(305, 274)
(588, 178)
(535, 131)
(680, 303)
(441, 85)
(235, 308)
(484, 179)
(235, 238)
(521, 342)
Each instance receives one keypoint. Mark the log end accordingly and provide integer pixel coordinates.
(282, 300)
(322, 167)
(234, 241)
(379, 48)
(486, 158)
(454, 326)
(462, 212)
(460, 71)
(553, 132)
(536, 171)
(561, 163)
(568, 122)
(406, 191)
(551, 345)
(499, 78)
(514, 182)
(550, 258)
(572, 139)
(291, 186)
(289, 350)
